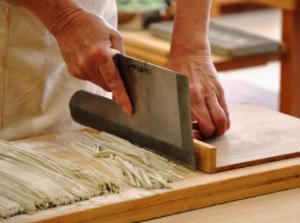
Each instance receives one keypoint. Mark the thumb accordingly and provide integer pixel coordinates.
(113, 80)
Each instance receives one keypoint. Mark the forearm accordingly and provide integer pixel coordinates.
(190, 27)
(190, 55)
(55, 14)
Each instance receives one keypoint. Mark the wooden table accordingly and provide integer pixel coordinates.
(278, 207)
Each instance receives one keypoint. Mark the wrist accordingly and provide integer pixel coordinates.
(190, 30)
(54, 14)
(60, 22)
(186, 52)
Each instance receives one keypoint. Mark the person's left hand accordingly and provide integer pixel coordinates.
(207, 98)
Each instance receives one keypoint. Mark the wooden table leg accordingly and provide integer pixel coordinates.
(290, 64)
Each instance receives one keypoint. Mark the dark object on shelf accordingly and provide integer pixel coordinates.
(225, 41)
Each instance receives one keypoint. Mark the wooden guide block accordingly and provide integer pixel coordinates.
(257, 135)
(206, 156)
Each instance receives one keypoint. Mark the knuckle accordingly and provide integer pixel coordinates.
(77, 72)
(95, 53)
(220, 91)
(82, 63)
(221, 121)
(222, 125)
(117, 36)
(208, 130)
(112, 81)
(110, 76)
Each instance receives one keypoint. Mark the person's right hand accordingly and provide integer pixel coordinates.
(207, 98)
(85, 40)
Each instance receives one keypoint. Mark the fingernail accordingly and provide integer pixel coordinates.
(196, 134)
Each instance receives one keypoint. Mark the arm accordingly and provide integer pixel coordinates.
(190, 54)
(85, 40)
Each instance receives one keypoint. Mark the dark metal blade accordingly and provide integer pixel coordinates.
(161, 119)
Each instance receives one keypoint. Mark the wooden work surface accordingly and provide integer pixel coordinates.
(277, 207)
(197, 190)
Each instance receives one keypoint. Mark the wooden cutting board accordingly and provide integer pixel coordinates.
(197, 190)
(257, 135)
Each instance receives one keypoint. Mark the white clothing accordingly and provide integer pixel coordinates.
(35, 86)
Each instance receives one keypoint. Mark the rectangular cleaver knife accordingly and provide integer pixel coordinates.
(161, 119)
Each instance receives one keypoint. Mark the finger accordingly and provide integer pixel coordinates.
(113, 80)
(195, 129)
(117, 42)
(195, 125)
(96, 77)
(86, 70)
(77, 72)
(196, 134)
(205, 122)
(218, 116)
(223, 105)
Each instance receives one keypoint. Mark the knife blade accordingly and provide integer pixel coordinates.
(161, 119)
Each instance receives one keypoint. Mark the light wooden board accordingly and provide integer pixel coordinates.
(145, 46)
(197, 190)
(257, 135)
(150, 48)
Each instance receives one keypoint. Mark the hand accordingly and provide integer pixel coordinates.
(207, 99)
(85, 41)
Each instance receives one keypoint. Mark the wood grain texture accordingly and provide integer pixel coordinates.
(276, 208)
(4, 33)
(257, 135)
(206, 156)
